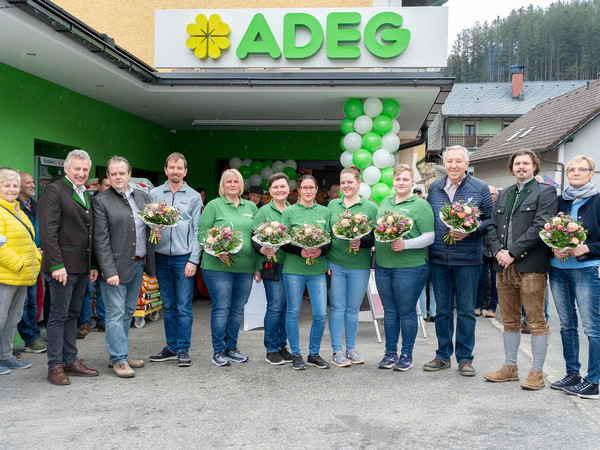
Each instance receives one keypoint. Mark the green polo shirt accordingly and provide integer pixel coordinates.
(270, 212)
(420, 212)
(222, 212)
(339, 247)
(296, 216)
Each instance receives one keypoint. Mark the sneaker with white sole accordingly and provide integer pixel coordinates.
(166, 354)
(354, 357)
(4, 370)
(585, 389)
(236, 356)
(404, 363)
(389, 360)
(286, 355)
(183, 359)
(219, 359)
(13, 363)
(317, 361)
(37, 346)
(275, 358)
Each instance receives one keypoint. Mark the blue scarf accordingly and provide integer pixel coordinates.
(581, 193)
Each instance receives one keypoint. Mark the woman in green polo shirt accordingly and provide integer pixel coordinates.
(402, 269)
(297, 274)
(229, 287)
(349, 272)
(275, 335)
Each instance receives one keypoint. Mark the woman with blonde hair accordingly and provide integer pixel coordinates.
(229, 286)
(19, 266)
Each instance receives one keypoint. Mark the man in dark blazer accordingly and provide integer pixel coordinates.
(522, 263)
(121, 246)
(65, 220)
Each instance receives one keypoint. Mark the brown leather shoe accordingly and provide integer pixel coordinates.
(78, 369)
(534, 381)
(506, 373)
(84, 329)
(56, 376)
(133, 363)
(122, 370)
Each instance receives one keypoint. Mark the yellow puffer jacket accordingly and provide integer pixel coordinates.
(19, 257)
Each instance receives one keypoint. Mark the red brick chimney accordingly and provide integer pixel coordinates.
(516, 73)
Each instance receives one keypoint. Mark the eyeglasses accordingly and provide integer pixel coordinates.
(581, 170)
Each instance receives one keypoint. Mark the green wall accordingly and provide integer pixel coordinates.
(32, 108)
(455, 127)
(202, 148)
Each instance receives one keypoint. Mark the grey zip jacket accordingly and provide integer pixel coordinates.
(182, 239)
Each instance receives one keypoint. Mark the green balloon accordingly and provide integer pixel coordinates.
(265, 185)
(380, 191)
(382, 124)
(362, 158)
(353, 108)
(342, 144)
(372, 141)
(347, 126)
(291, 173)
(387, 176)
(391, 108)
(256, 167)
(245, 171)
(268, 163)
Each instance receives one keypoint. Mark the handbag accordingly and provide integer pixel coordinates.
(270, 271)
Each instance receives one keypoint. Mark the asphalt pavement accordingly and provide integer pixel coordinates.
(256, 405)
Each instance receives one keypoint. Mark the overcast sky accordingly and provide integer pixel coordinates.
(464, 13)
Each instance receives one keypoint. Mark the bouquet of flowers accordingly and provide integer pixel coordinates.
(392, 226)
(459, 216)
(563, 232)
(351, 227)
(223, 240)
(159, 215)
(309, 237)
(271, 234)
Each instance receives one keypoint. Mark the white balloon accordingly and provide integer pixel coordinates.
(390, 142)
(292, 185)
(346, 158)
(365, 190)
(381, 158)
(395, 126)
(290, 163)
(266, 172)
(277, 166)
(392, 162)
(363, 124)
(255, 179)
(352, 142)
(373, 107)
(247, 185)
(246, 162)
(371, 175)
(235, 162)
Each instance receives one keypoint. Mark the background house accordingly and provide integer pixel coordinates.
(558, 129)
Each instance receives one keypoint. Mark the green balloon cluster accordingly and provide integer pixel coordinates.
(256, 166)
(245, 171)
(257, 173)
(291, 173)
(370, 139)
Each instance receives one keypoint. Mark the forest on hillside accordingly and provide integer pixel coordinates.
(561, 42)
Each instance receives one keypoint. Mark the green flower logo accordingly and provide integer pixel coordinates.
(208, 38)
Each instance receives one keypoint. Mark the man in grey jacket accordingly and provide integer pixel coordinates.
(177, 259)
(121, 246)
(522, 261)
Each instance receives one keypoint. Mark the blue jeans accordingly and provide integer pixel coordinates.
(317, 290)
(346, 293)
(275, 334)
(450, 282)
(399, 291)
(28, 327)
(581, 286)
(487, 275)
(423, 301)
(176, 292)
(88, 303)
(229, 293)
(120, 302)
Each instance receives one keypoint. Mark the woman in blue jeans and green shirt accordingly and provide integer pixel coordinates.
(349, 272)
(275, 335)
(402, 269)
(297, 274)
(575, 280)
(229, 287)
